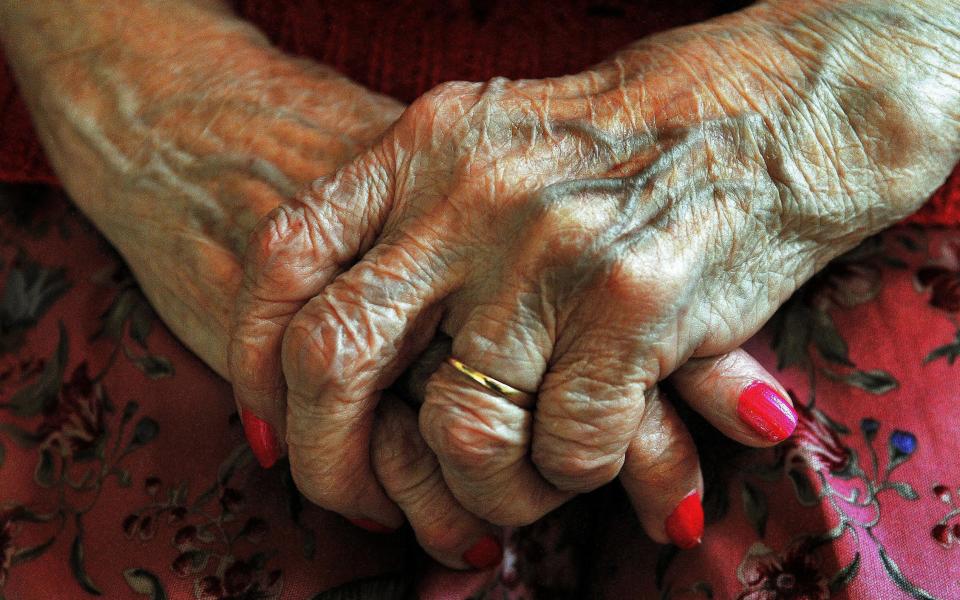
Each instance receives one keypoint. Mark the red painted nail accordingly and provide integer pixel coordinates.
(766, 412)
(372, 526)
(484, 554)
(685, 523)
(262, 439)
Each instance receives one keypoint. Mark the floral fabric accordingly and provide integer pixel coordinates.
(124, 474)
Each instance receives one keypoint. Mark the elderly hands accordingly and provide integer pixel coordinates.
(580, 239)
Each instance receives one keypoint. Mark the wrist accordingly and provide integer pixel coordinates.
(856, 108)
(153, 116)
(175, 131)
(880, 81)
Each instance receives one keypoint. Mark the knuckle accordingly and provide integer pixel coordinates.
(573, 466)
(417, 486)
(338, 341)
(645, 279)
(501, 510)
(465, 445)
(446, 94)
(278, 247)
(401, 459)
(445, 105)
(551, 217)
(440, 532)
(460, 438)
(320, 480)
(660, 457)
(279, 232)
(580, 441)
(340, 205)
(320, 342)
(297, 242)
(304, 349)
(628, 277)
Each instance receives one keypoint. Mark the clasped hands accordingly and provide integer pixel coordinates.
(579, 239)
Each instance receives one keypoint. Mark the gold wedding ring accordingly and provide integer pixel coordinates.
(486, 381)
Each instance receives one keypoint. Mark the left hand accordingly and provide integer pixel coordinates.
(579, 239)
(176, 143)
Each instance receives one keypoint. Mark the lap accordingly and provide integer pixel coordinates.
(124, 470)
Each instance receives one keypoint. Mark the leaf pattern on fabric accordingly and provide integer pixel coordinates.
(806, 321)
(940, 276)
(29, 292)
(207, 529)
(129, 315)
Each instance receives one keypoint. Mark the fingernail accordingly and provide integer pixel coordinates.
(371, 526)
(685, 523)
(766, 412)
(262, 439)
(484, 554)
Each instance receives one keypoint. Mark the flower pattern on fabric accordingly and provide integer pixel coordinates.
(793, 574)
(75, 422)
(852, 476)
(814, 443)
(946, 531)
(941, 277)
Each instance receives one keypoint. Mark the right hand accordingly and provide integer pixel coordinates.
(468, 160)
(289, 262)
(302, 248)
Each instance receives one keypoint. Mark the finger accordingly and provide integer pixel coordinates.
(587, 412)
(738, 396)
(661, 475)
(612, 345)
(481, 437)
(411, 476)
(339, 353)
(292, 254)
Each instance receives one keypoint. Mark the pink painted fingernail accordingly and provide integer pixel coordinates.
(371, 526)
(484, 554)
(685, 524)
(262, 439)
(766, 412)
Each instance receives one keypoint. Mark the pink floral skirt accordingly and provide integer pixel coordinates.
(124, 474)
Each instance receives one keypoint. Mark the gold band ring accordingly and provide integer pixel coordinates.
(486, 381)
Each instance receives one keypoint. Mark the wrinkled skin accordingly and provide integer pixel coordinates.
(175, 159)
(581, 238)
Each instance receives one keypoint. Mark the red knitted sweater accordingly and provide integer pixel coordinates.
(404, 47)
